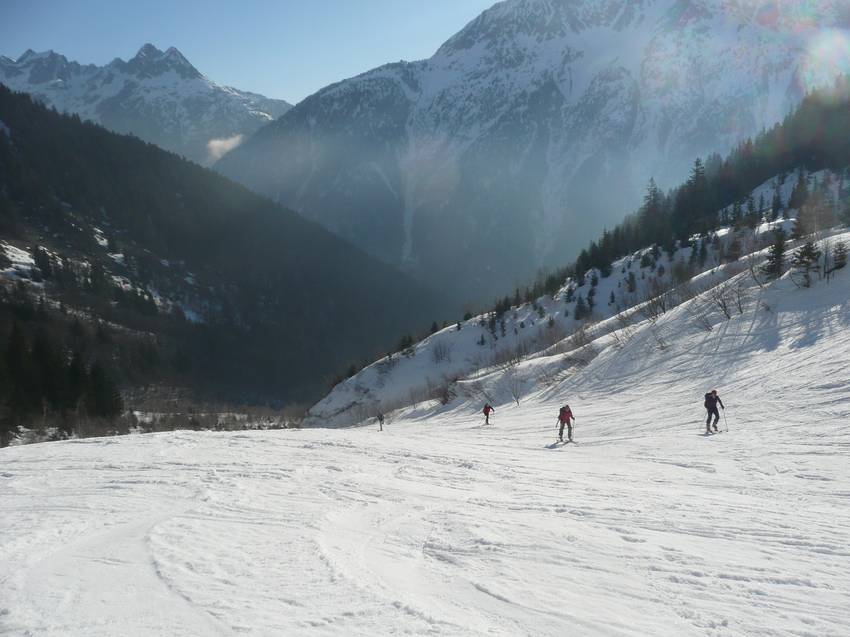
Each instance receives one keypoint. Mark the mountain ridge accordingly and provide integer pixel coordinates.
(241, 297)
(156, 95)
(509, 138)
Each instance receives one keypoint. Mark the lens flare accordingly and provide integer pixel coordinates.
(827, 58)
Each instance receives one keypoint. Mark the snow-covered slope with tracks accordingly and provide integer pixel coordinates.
(438, 525)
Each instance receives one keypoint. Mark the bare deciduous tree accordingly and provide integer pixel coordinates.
(720, 297)
(741, 295)
(441, 352)
(699, 315)
(516, 385)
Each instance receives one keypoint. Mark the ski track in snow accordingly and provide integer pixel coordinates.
(441, 526)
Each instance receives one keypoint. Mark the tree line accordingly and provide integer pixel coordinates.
(718, 192)
(52, 372)
(280, 302)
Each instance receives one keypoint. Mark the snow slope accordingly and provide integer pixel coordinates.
(441, 526)
(451, 354)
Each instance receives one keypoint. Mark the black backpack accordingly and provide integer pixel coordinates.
(709, 401)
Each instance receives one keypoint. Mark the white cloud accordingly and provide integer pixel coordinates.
(218, 148)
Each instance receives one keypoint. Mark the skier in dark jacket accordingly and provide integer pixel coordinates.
(488, 409)
(711, 402)
(565, 417)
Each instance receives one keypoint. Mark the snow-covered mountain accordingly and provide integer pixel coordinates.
(536, 125)
(157, 96)
(488, 357)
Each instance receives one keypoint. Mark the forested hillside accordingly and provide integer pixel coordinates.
(816, 136)
(788, 185)
(127, 259)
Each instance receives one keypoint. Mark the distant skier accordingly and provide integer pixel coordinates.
(380, 418)
(488, 409)
(711, 402)
(565, 417)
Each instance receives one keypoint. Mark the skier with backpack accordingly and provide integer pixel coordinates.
(565, 417)
(711, 402)
(488, 409)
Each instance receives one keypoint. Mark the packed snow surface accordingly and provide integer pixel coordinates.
(439, 525)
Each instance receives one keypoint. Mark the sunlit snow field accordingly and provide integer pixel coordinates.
(438, 525)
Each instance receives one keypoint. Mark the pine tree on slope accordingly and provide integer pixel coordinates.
(775, 264)
(805, 260)
(840, 256)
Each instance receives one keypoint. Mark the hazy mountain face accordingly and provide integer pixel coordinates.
(535, 126)
(275, 304)
(157, 95)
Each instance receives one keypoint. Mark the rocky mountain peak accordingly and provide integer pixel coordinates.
(156, 95)
(151, 61)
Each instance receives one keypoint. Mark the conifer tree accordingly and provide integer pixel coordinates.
(775, 264)
(703, 252)
(103, 398)
(800, 193)
(21, 388)
(651, 213)
(49, 369)
(76, 382)
(844, 214)
(805, 260)
(581, 308)
(752, 214)
(737, 214)
(776, 205)
(839, 256)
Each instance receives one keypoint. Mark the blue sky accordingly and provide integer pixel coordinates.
(285, 49)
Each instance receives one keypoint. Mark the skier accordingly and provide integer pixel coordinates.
(711, 402)
(488, 409)
(565, 417)
(380, 418)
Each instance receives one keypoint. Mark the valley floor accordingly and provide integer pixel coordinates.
(441, 526)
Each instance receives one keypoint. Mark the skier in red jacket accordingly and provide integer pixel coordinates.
(488, 409)
(565, 417)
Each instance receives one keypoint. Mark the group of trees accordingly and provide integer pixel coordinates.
(283, 302)
(814, 136)
(718, 192)
(49, 372)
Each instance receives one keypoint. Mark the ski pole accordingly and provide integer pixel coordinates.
(726, 422)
